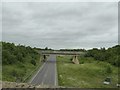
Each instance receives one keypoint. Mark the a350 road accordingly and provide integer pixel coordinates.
(47, 74)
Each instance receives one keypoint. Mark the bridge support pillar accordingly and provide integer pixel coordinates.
(75, 60)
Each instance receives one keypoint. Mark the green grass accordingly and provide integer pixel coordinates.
(88, 74)
(23, 70)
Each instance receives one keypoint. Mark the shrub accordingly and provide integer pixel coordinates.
(33, 62)
(82, 62)
(14, 73)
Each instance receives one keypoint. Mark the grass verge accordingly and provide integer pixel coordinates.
(88, 74)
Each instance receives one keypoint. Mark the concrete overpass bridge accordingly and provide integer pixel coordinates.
(57, 52)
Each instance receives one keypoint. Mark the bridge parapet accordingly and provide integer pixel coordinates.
(63, 52)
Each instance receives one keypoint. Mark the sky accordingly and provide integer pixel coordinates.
(61, 24)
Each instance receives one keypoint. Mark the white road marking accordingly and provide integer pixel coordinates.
(55, 73)
(37, 72)
(45, 75)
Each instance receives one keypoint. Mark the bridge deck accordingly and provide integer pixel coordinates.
(62, 52)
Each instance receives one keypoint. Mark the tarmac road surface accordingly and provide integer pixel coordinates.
(47, 74)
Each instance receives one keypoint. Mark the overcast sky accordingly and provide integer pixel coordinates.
(61, 25)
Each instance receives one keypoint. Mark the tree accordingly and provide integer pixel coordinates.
(5, 56)
(19, 57)
(46, 48)
(12, 59)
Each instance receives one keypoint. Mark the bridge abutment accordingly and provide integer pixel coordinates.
(75, 60)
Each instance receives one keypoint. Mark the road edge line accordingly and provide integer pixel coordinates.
(37, 73)
(56, 75)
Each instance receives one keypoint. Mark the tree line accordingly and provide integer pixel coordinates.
(110, 55)
(12, 54)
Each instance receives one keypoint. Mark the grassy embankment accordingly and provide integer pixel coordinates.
(19, 62)
(89, 74)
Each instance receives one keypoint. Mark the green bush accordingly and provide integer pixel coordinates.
(81, 62)
(33, 62)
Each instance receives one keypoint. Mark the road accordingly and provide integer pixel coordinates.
(47, 74)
